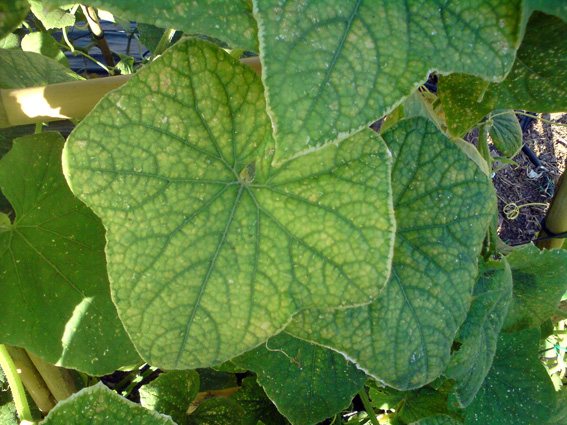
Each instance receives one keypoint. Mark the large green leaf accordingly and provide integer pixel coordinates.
(20, 69)
(207, 241)
(256, 404)
(54, 287)
(97, 405)
(478, 335)
(12, 13)
(171, 393)
(443, 205)
(537, 81)
(540, 280)
(438, 420)
(228, 20)
(306, 382)
(331, 68)
(506, 132)
(517, 390)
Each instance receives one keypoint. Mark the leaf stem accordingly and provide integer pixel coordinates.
(368, 406)
(164, 42)
(483, 148)
(16, 385)
(535, 117)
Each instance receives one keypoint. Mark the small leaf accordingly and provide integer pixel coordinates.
(410, 406)
(331, 68)
(55, 290)
(478, 335)
(306, 382)
(171, 393)
(197, 251)
(44, 43)
(228, 20)
(52, 17)
(506, 132)
(12, 13)
(537, 81)
(256, 404)
(97, 405)
(443, 205)
(20, 69)
(517, 390)
(540, 280)
(217, 411)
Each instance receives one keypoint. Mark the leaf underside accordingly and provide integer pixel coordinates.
(206, 240)
(443, 205)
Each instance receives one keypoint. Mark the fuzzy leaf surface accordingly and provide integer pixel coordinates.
(517, 390)
(20, 69)
(537, 81)
(540, 280)
(506, 133)
(443, 204)
(171, 393)
(331, 68)
(306, 382)
(228, 20)
(54, 286)
(206, 240)
(478, 335)
(98, 405)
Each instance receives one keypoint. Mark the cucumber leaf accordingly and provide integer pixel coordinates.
(55, 290)
(217, 411)
(97, 405)
(517, 390)
(45, 44)
(478, 335)
(228, 20)
(443, 204)
(537, 81)
(506, 132)
(332, 68)
(540, 280)
(256, 404)
(12, 13)
(306, 382)
(171, 393)
(206, 240)
(20, 69)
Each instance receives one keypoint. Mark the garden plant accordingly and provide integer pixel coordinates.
(242, 234)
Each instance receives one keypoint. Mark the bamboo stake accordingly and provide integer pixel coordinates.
(65, 100)
(58, 379)
(556, 218)
(32, 380)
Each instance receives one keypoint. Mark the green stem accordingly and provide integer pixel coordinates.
(483, 148)
(368, 407)
(164, 42)
(562, 314)
(16, 385)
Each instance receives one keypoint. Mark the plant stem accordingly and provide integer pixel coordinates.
(483, 148)
(94, 25)
(16, 385)
(368, 406)
(32, 380)
(532, 116)
(556, 218)
(164, 42)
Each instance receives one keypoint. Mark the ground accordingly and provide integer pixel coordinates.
(523, 185)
